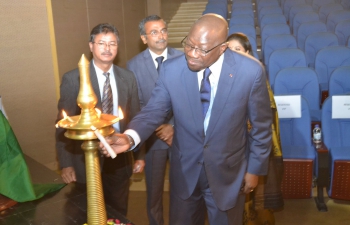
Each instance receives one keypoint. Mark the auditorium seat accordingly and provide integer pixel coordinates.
(328, 8)
(284, 58)
(317, 41)
(336, 133)
(303, 17)
(277, 41)
(272, 29)
(266, 10)
(305, 29)
(290, 3)
(297, 9)
(243, 28)
(299, 154)
(335, 17)
(316, 4)
(339, 81)
(327, 60)
(342, 30)
(272, 19)
(300, 81)
(241, 19)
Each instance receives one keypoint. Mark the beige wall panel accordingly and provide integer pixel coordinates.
(26, 76)
(71, 32)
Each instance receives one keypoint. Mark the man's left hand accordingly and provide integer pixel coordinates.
(250, 182)
(138, 166)
(165, 132)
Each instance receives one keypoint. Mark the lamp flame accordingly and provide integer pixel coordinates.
(120, 113)
(98, 112)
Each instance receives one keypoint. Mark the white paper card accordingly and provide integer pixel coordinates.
(341, 107)
(288, 106)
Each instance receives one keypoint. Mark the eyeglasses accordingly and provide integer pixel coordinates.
(103, 45)
(155, 33)
(200, 51)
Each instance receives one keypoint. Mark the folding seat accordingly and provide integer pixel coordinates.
(241, 19)
(327, 60)
(335, 17)
(272, 29)
(317, 41)
(288, 4)
(305, 29)
(263, 3)
(348, 42)
(316, 4)
(328, 8)
(300, 81)
(345, 3)
(243, 28)
(266, 10)
(284, 58)
(272, 19)
(244, 10)
(295, 9)
(303, 17)
(336, 133)
(342, 30)
(339, 82)
(299, 154)
(277, 41)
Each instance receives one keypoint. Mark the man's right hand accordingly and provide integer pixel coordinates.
(119, 142)
(68, 175)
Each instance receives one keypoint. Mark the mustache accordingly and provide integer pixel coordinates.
(106, 53)
(161, 41)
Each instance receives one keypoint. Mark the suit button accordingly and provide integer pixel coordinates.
(200, 163)
(206, 146)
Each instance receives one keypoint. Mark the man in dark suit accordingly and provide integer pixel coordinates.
(212, 93)
(104, 40)
(154, 33)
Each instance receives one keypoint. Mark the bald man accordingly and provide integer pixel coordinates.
(212, 93)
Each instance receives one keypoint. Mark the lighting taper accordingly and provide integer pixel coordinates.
(79, 128)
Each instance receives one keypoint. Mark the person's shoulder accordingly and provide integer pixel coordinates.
(138, 57)
(174, 52)
(242, 58)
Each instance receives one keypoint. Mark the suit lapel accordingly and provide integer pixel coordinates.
(226, 80)
(149, 64)
(190, 80)
(122, 93)
(95, 86)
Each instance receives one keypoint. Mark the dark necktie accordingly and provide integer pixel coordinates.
(107, 98)
(205, 91)
(159, 61)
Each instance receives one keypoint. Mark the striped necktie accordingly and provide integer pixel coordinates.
(205, 91)
(107, 98)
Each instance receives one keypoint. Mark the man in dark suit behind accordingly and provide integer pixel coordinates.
(154, 33)
(212, 93)
(104, 40)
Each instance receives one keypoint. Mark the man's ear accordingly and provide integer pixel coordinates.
(144, 39)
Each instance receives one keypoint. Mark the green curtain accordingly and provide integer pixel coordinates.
(15, 180)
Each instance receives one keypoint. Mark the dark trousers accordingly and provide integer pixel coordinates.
(192, 210)
(155, 172)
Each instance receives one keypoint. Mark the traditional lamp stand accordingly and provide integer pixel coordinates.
(80, 128)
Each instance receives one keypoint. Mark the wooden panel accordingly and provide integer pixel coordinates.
(341, 180)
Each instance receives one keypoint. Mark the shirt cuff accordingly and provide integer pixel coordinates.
(134, 136)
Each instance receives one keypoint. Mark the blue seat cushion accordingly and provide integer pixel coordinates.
(299, 152)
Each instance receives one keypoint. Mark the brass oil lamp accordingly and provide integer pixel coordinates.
(80, 127)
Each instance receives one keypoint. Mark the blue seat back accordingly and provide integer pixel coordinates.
(342, 30)
(316, 4)
(317, 41)
(327, 60)
(299, 81)
(305, 29)
(246, 29)
(272, 19)
(241, 19)
(339, 82)
(272, 29)
(335, 17)
(295, 9)
(277, 41)
(266, 10)
(328, 8)
(284, 58)
(288, 4)
(303, 17)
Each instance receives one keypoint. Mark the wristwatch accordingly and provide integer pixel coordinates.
(131, 142)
